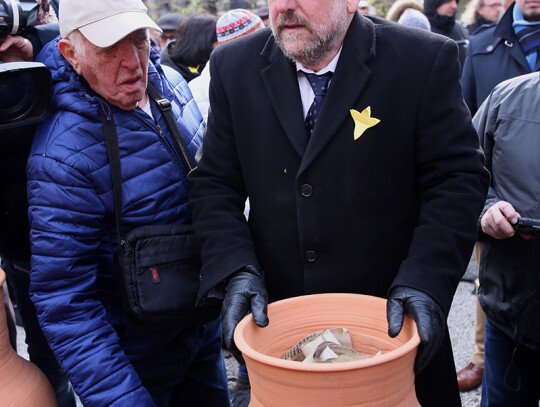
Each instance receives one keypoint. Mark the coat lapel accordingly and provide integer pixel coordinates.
(348, 82)
(280, 80)
(506, 33)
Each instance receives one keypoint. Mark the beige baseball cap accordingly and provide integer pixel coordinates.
(103, 22)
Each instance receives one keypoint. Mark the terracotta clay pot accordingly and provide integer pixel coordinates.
(21, 382)
(382, 381)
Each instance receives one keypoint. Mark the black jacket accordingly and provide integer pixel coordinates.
(471, 28)
(450, 28)
(494, 55)
(187, 72)
(14, 149)
(14, 227)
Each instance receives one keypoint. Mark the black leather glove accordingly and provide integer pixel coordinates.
(429, 318)
(245, 291)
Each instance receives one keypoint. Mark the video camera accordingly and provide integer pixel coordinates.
(26, 94)
(16, 16)
(527, 226)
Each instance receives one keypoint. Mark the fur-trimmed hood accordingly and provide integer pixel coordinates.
(400, 6)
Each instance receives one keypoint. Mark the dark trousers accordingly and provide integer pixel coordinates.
(511, 374)
(436, 385)
(18, 276)
(189, 372)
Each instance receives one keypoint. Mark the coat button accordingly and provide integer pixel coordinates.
(311, 255)
(306, 190)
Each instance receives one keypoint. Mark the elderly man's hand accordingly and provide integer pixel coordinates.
(245, 291)
(16, 49)
(498, 219)
(428, 316)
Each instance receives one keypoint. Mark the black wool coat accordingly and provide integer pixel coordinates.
(397, 206)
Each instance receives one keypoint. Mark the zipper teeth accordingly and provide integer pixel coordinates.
(160, 131)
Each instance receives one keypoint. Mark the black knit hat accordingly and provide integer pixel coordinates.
(169, 22)
(431, 6)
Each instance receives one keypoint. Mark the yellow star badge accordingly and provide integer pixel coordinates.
(362, 121)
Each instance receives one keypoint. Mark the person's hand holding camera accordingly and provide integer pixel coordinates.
(15, 48)
(498, 219)
(245, 291)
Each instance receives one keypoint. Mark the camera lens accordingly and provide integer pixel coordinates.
(16, 16)
(18, 97)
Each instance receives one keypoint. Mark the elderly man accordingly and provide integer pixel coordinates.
(375, 188)
(481, 12)
(104, 58)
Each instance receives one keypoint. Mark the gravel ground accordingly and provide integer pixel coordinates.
(460, 322)
(461, 325)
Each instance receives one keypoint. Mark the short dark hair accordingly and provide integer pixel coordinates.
(195, 40)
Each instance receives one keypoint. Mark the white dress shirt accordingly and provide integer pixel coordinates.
(306, 92)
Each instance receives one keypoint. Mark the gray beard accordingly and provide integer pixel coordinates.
(308, 56)
(319, 44)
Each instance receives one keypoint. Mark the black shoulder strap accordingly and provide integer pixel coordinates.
(111, 142)
(166, 108)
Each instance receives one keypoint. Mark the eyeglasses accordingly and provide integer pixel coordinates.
(494, 5)
(168, 36)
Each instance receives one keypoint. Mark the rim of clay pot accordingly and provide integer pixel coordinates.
(248, 351)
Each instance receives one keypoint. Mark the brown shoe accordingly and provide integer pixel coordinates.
(470, 377)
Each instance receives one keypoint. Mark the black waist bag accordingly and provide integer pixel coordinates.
(159, 265)
(160, 269)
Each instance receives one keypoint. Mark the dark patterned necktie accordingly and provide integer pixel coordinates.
(319, 84)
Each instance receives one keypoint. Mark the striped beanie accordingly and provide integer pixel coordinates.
(236, 23)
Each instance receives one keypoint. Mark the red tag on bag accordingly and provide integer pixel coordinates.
(155, 276)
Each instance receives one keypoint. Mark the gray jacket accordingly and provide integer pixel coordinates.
(508, 124)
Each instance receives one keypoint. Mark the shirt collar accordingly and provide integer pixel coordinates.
(331, 67)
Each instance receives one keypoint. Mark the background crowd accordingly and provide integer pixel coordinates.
(58, 191)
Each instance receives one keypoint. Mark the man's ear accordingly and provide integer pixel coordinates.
(67, 49)
(352, 6)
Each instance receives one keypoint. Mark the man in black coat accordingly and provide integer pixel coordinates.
(381, 198)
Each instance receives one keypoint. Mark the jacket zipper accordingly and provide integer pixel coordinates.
(168, 143)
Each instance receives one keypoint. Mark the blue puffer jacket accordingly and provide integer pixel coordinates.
(73, 236)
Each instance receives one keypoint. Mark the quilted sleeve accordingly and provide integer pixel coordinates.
(66, 218)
